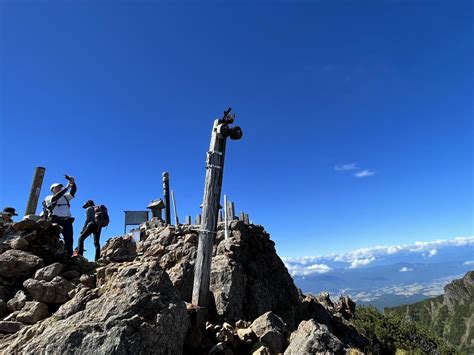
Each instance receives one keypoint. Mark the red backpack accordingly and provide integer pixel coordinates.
(101, 216)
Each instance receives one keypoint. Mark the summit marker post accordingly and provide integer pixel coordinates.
(210, 206)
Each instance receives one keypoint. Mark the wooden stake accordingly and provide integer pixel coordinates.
(166, 196)
(210, 206)
(226, 222)
(176, 219)
(35, 191)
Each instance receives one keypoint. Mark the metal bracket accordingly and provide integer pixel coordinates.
(214, 152)
(214, 166)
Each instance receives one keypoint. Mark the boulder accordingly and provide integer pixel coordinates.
(49, 272)
(119, 249)
(271, 330)
(10, 326)
(313, 338)
(52, 292)
(33, 312)
(17, 302)
(18, 263)
(138, 311)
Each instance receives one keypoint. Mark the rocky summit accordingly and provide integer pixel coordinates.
(137, 298)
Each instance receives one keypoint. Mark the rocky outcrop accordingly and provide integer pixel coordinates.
(133, 300)
(243, 282)
(139, 309)
(449, 316)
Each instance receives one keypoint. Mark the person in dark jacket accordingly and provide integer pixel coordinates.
(90, 227)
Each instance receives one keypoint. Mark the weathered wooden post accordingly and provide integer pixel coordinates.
(210, 207)
(246, 218)
(176, 219)
(197, 220)
(188, 220)
(166, 196)
(226, 221)
(35, 191)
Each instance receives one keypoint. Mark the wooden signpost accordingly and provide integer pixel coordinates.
(35, 191)
(210, 207)
(166, 196)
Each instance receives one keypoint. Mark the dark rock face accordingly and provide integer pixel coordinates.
(139, 312)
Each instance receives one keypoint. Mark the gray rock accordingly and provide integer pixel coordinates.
(17, 302)
(139, 311)
(88, 280)
(33, 312)
(52, 292)
(49, 272)
(271, 330)
(313, 338)
(10, 326)
(260, 348)
(17, 263)
(70, 275)
(77, 303)
(19, 243)
(119, 249)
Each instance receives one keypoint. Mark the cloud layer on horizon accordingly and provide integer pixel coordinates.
(363, 257)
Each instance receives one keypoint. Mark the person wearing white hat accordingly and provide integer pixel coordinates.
(59, 207)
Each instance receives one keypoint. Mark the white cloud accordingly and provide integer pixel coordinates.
(405, 269)
(303, 270)
(364, 173)
(319, 264)
(345, 167)
(360, 262)
(432, 252)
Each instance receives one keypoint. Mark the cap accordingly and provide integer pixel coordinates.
(88, 203)
(55, 185)
(10, 210)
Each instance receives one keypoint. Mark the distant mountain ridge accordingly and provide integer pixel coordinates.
(450, 316)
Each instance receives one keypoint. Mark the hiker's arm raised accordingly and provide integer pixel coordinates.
(73, 188)
(58, 195)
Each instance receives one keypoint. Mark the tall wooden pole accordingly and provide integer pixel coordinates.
(210, 206)
(166, 196)
(226, 221)
(176, 219)
(35, 191)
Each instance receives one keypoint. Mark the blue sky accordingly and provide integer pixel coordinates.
(115, 93)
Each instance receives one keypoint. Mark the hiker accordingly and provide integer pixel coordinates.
(7, 214)
(90, 227)
(59, 209)
(6, 221)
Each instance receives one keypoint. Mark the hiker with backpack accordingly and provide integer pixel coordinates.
(58, 209)
(97, 217)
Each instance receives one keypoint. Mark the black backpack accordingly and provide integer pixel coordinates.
(101, 216)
